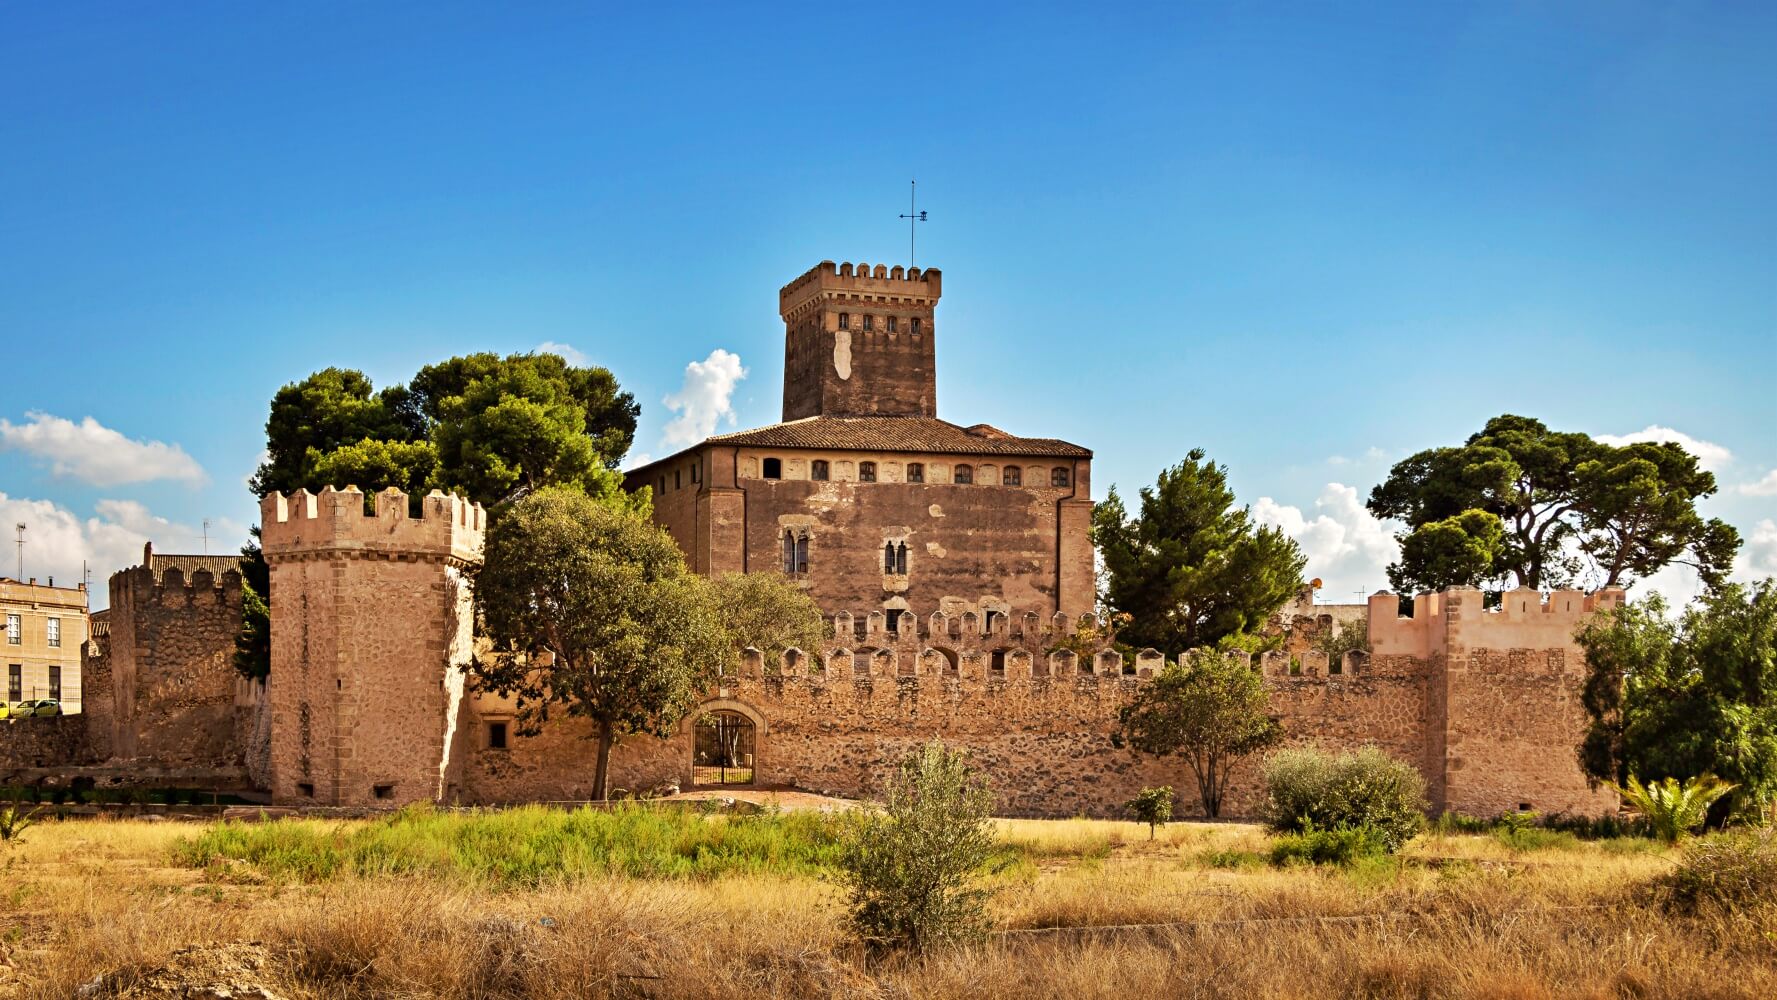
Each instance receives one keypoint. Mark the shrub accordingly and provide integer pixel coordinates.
(1673, 808)
(1366, 790)
(14, 821)
(912, 867)
(1730, 871)
(1343, 846)
(1153, 807)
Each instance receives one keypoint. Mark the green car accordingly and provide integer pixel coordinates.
(42, 708)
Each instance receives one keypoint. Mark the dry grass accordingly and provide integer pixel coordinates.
(1460, 917)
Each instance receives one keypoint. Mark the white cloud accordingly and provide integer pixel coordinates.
(1758, 557)
(1347, 547)
(569, 353)
(1766, 487)
(57, 540)
(1710, 456)
(93, 453)
(704, 400)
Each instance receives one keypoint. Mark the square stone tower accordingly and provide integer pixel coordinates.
(371, 625)
(858, 342)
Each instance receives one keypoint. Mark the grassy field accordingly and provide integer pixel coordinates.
(540, 903)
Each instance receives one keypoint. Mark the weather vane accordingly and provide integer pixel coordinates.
(913, 217)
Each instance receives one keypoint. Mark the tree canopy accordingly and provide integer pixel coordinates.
(1520, 503)
(1209, 708)
(767, 612)
(492, 428)
(1192, 568)
(1682, 697)
(593, 614)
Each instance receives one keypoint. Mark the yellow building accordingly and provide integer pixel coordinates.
(45, 629)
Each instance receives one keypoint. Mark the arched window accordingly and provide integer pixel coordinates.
(790, 553)
(845, 321)
(818, 470)
(866, 472)
(965, 473)
(1012, 476)
(916, 472)
(888, 557)
(901, 559)
(1058, 476)
(774, 468)
(801, 554)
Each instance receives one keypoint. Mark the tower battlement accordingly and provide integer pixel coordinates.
(448, 527)
(1457, 619)
(858, 341)
(910, 285)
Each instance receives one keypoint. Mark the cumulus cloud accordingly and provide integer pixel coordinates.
(1347, 547)
(1710, 456)
(93, 453)
(1766, 487)
(569, 353)
(57, 540)
(705, 398)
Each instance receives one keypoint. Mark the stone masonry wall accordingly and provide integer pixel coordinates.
(170, 655)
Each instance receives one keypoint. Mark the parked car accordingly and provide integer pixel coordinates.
(5, 710)
(41, 708)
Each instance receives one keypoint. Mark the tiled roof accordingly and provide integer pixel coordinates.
(916, 434)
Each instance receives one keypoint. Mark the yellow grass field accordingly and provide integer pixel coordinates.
(109, 906)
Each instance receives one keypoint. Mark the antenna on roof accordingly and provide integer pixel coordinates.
(20, 528)
(912, 215)
(206, 536)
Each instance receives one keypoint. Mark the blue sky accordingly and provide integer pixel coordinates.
(1311, 239)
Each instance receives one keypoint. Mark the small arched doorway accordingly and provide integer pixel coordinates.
(722, 747)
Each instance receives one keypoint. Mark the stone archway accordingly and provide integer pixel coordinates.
(726, 739)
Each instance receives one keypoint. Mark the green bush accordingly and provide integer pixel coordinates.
(1153, 807)
(1343, 846)
(1366, 790)
(912, 868)
(1230, 859)
(1673, 808)
(1728, 871)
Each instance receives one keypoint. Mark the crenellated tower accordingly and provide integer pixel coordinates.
(858, 341)
(371, 626)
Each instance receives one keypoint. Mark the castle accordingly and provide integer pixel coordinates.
(953, 561)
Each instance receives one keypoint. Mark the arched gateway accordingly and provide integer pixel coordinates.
(726, 738)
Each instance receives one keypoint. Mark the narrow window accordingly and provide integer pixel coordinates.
(801, 553)
(1058, 476)
(901, 559)
(888, 557)
(998, 663)
(866, 472)
(1012, 476)
(696, 473)
(845, 321)
(892, 620)
(818, 470)
(55, 631)
(869, 322)
(916, 472)
(13, 636)
(55, 683)
(663, 484)
(992, 616)
(774, 468)
(496, 736)
(892, 326)
(15, 682)
(677, 482)
(790, 553)
(965, 474)
(916, 326)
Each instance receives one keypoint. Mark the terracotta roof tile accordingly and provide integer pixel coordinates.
(916, 434)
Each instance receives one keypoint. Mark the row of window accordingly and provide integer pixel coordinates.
(892, 323)
(679, 477)
(15, 631)
(15, 683)
(821, 471)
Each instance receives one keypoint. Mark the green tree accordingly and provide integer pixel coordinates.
(1191, 567)
(1676, 698)
(252, 644)
(912, 868)
(1152, 806)
(593, 615)
(330, 409)
(1518, 502)
(769, 613)
(1208, 708)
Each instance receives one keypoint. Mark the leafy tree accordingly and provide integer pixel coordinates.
(1674, 698)
(912, 867)
(608, 414)
(374, 466)
(330, 409)
(1152, 806)
(1518, 501)
(594, 615)
(1351, 637)
(1209, 708)
(252, 644)
(767, 612)
(1192, 567)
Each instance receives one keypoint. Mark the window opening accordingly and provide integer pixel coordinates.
(965, 474)
(891, 324)
(869, 322)
(901, 559)
(801, 554)
(991, 617)
(998, 662)
(916, 472)
(888, 557)
(677, 482)
(722, 749)
(13, 630)
(696, 473)
(866, 472)
(1012, 476)
(496, 736)
(818, 471)
(916, 326)
(774, 468)
(845, 321)
(1058, 476)
(55, 631)
(383, 791)
(55, 683)
(15, 682)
